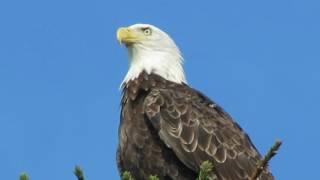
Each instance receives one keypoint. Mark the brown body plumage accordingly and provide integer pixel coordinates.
(169, 129)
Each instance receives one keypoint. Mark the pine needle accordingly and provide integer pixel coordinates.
(126, 176)
(153, 177)
(78, 172)
(264, 162)
(206, 169)
(24, 176)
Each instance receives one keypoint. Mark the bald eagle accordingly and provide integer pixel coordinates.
(169, 129)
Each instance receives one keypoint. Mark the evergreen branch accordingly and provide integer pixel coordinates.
(264, 162)
(126, 176)
(206, 169)
(151, 177)
(78, 172)
(24, 176)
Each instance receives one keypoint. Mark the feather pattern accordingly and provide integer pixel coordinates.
(169, 129)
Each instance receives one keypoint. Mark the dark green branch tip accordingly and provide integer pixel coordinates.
(153, 177)
(206, 169)
(126, 176)
(265, 160)
(24, 176)
(79, 173)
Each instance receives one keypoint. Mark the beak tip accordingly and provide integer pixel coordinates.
(120, 34)
(126, 36)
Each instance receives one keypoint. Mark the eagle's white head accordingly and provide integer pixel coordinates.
(153, 51)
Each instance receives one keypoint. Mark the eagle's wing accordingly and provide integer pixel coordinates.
(197, 129)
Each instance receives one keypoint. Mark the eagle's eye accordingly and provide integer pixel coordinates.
(147, 31)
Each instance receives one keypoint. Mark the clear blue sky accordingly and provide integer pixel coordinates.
(61, 66)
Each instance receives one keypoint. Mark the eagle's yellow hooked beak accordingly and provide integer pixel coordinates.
(128, 36)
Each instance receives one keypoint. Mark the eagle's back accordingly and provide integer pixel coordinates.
(169, 129)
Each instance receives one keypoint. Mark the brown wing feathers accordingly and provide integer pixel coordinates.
(197, 130)
(169, 129)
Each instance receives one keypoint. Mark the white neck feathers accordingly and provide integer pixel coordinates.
(166, 63)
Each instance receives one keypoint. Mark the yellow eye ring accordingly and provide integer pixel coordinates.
(147, 31)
